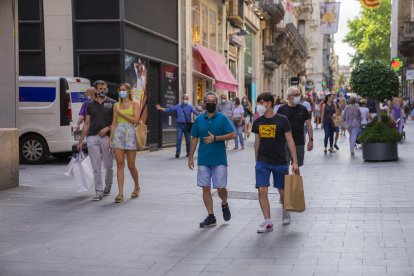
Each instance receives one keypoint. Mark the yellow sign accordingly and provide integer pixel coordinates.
(267, 131)
(370, 4)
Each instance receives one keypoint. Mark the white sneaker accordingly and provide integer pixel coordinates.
(265, 227)
(285, 217)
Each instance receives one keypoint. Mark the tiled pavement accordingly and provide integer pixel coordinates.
(359, 221)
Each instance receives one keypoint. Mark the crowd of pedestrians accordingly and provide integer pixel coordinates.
(282, 128)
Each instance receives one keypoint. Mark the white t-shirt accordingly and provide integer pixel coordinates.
(276, 108)
(238, 111)
(307, 105)
(364, 112)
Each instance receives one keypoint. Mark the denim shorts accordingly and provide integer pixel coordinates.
(216, 175)
(263, 171)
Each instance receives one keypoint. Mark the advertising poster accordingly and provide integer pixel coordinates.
(169, 95)
(136, 75)
(329, 13)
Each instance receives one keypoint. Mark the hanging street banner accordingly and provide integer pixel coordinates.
(370, 4)
(329, 13)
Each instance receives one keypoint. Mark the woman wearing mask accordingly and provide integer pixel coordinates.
(238, 117)
(352, 117)
(328, 110)
(123, 139)
(248, 112)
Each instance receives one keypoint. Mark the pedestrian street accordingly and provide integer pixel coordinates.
(359, 220)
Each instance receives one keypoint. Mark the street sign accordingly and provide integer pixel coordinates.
(409, 75)
(294, 81)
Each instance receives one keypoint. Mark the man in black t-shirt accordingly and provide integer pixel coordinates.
(297, 115)
(273, 133)
(97, 129)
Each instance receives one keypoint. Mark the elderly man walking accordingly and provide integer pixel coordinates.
(298, 115)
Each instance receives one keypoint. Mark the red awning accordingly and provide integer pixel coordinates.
(217, 68)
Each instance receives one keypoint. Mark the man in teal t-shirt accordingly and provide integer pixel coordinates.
(212, 129)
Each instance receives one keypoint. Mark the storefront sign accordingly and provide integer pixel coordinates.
(294, 81)
(169, 96)
(409, 74)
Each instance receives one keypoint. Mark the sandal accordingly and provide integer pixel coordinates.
(119, 198)
(135, 193)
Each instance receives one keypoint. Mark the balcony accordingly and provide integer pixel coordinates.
(272, 59)
(236, 13)
(272, 10)
(406, 42)
(298, 38)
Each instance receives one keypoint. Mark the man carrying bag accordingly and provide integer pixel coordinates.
(273, 135)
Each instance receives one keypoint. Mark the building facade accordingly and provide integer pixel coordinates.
(113, 40)
(402, 41)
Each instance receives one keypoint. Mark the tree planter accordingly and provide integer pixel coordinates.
(380, 151)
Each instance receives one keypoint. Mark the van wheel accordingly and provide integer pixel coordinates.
(33, 149)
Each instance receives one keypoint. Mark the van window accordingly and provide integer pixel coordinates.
(65, 106)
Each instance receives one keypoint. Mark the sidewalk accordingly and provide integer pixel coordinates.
(359, 221)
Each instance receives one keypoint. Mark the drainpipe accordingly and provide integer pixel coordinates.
(394, 27)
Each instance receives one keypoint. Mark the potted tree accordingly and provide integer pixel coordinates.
(376, 80)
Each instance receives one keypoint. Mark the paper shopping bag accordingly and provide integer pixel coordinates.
(294, 200)
(141, 135)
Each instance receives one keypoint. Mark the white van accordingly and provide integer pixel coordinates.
(48, 110)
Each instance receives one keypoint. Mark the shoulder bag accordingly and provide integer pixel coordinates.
(188, 123)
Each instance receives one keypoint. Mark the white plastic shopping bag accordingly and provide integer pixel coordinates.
(80, 167)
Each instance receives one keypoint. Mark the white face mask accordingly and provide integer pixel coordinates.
(185, 101)
(296, 100)
(223, 100)
(261, 109)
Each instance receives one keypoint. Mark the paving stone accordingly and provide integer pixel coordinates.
(357, 221)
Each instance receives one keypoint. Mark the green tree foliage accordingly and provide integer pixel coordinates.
(370, 34)
(376, 80)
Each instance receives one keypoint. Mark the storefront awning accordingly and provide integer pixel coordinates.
(216, 68)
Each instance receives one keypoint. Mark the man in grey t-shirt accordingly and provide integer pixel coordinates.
(226, 107)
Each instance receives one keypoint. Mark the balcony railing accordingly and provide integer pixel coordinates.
(295, 33)
(272, 59)
(236, 12)
(273, 9)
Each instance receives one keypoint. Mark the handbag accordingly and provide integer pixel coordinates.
(294, 200)
(141, 135)
(189, 124)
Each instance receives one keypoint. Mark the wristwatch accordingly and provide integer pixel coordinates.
(311, 139)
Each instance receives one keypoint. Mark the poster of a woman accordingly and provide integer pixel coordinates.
(136, 75)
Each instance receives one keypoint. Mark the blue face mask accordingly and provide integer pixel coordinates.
(123, 94)
(89, 98)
